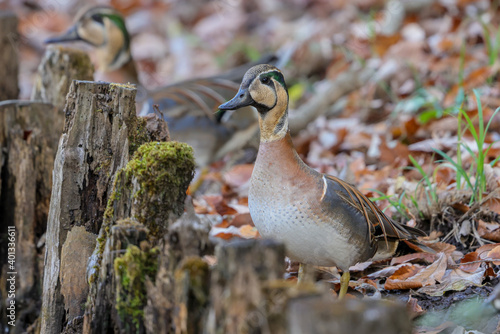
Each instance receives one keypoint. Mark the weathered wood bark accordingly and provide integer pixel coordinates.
(322, 315)
(98, 136)
(178, 299)
(101, 315)
(241, 297)
(28, 144)
(151, 190)
(9, 56)
(58, 68)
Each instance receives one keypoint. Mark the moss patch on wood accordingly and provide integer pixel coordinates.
(132, 270)
(163, 171)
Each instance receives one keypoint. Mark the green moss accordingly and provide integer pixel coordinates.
(163, 171)
(131, 271)
(127, 85)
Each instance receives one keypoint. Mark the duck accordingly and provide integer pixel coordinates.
(321, 219)
(189, 107)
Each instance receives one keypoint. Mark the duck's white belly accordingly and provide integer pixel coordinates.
(307, 237)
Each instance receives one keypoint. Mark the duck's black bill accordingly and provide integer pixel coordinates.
(242, 99)
(70, 36)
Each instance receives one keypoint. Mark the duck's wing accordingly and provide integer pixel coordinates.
(379, 225)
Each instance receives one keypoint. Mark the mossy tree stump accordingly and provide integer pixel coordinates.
(149, 194)
(101, 131)
(179, 296)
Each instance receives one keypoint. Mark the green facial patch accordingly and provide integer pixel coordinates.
(120, 23)
(276, 75)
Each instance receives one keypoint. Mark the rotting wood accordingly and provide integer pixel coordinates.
(100, 133)
(9, 56)
(150, 190)
(28, 144)
(241, 301)
(179, 297)
(58, 68)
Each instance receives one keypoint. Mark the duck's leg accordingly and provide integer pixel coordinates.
(301, 274)
(344, 283)
(306, 273)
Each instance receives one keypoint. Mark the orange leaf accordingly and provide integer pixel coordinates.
(470, 257)
(427, 276)
(493, 204)
(495, 254)
(490, 231)
(382, 43)
(238, 175)
(428, 257)
(242, 219)
(405, 272)
(249, 232)
(485, 249)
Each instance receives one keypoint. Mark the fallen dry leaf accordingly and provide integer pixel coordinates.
(242, 219)
(454, 280)
(239, 175)
(427, 257)
(485, 249)
(495, 254)
(412, 278)
(249, 232)
(470, 267)
(414, 309)
(219, 205)
(493, 204)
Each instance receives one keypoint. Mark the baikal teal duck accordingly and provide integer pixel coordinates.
(321, 219)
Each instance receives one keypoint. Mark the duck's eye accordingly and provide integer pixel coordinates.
(264, 80)
(97, 18)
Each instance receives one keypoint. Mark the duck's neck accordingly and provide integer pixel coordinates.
(279, 153)
(274, 123)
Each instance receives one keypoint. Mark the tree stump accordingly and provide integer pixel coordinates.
(9, 56)
(58, 68)
(101, 315)
(151, 190)
(28, 144)
(179, 297)
(320, 315)
(241, 300)
(100, 133)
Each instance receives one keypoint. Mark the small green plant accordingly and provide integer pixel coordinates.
(430, 187)
(475, 178)
(400, 207)
(492, 45)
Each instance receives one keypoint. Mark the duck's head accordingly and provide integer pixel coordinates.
(264, 88)
(104, 28)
